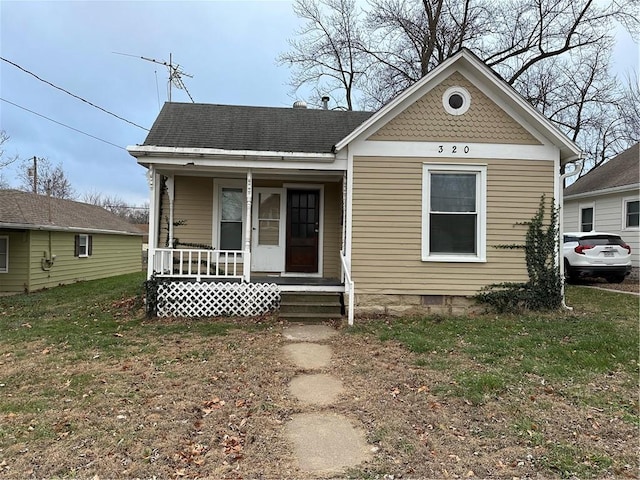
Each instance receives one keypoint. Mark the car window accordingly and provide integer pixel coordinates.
(570, 238)
(601, 240)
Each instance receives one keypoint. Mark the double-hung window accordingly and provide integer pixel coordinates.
(231, 218)
(83, 245)
(631, 214)
(586, 219)
(4, 254)
(454, 213)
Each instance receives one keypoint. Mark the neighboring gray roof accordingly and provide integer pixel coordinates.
(620, 171)
(28, 210)
(233, 127)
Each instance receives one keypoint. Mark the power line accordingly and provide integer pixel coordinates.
(64, 125)
(73, 95)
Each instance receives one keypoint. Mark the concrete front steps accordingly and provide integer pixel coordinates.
(311, 306)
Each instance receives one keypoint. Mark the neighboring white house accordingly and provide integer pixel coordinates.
(607, 199)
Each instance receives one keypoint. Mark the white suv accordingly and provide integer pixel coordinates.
(596, 254)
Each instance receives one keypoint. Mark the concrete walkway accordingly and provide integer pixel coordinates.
(324, 443)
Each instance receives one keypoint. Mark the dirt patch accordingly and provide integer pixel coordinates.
(193, 406)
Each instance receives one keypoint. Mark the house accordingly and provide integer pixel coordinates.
(399, 209)
(47, 241)
(607, 199)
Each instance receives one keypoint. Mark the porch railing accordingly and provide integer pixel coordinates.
(348, 283)
(196, 263)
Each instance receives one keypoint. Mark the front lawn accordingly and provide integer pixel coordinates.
(89, 386)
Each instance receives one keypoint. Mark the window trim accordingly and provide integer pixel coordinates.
(480, 170)
(625, 210)
(586, 206)
(218, 186)
(88, 245)
(6, 268)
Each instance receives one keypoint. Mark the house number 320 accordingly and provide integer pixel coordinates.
(454, 149)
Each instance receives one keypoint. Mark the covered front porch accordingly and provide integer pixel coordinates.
(241, 236)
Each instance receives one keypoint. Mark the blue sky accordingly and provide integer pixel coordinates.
(229, 47)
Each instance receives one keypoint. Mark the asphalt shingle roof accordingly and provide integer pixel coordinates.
(621, 170)
(39, 211)
(236, 127)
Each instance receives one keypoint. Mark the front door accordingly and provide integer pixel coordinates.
(267, 250)
(303, 226)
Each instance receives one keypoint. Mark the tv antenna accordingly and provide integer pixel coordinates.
(175, 73)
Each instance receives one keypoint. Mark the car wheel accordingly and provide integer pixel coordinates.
(616, 279)
(569, 277)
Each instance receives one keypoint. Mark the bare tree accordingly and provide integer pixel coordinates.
(40, 176)
(554, 52)
(5, 161)
(407, 39)
(117, 206)
(327, 51)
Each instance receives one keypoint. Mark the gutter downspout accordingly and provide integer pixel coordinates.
(576, 171)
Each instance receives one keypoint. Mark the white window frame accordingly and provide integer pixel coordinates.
(585, 206)
(218, 186)
(481, 211)
(625, 209)
(84, 254)
(6, 253)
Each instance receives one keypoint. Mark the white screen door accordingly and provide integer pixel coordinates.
(267, 235)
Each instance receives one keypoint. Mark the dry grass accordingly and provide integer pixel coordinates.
(208, 399)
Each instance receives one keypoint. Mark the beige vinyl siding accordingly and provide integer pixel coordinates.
(194, 205)
(16, 279)
(112, 255)
(427, 120)
(387, 226)
(332, 230)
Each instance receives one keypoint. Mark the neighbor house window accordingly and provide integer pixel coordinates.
(586, 219)
(632, 213)
(454, 213)
(231, 223)
(4, 254)
(83, 246)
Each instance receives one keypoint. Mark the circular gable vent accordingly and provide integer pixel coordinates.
(456, 100)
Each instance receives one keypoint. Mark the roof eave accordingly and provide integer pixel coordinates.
(150, 151)
(58, 228)
(604, 191)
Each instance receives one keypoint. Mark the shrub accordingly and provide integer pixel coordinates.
(543, 291)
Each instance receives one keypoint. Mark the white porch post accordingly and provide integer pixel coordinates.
(154, 200)
(247, 231)
(171, 194)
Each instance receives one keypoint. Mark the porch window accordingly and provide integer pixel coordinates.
(4, 254)
(231, 208)
(453, 213)
(586, 219)
(632, 213)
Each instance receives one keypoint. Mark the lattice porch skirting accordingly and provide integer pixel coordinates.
(203, 299)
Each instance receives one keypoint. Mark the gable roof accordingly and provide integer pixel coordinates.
(29, 211)
(620, 171)
(467, 61)
(265, 129)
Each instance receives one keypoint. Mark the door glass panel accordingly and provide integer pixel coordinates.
(269, 219)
